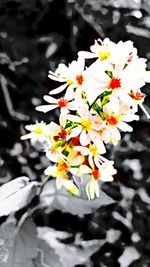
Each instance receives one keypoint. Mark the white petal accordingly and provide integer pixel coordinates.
(97, 192)
(86, 54)
(58, 89)
(55, 77)
(81, 63)
(46, 108)
(143, 108)
(51, 170)
(129, 117)
(70, 187)
(76, 131)
(90, 159)
(74, 118)
(64, 110)
(124, 127)
(84, 169)
(72, 105)
(114, 103)
(82, 149)
(27, 136)
(62, 120)
(59, 183)
(84, 139)
(115, 133)
(69, 92)
(50, 99)
(125, 98)
(107, 178)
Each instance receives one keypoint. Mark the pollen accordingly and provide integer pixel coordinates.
(79, 79)
(115, 83)
(69, 81)
(38, 130)
(112, 120)
(62, 102)
(103, 55)
(96, 174)
(86, 124)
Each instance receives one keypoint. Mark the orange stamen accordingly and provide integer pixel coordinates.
(79, 79)
(62, 102)
(96, 174)
(112, 120)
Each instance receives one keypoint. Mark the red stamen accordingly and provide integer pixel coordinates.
(112, 120)
(86, 162)
(129, 59)
(115, 83)
(56, 138)
(79, 79)
(96, 174)
(62, 102)
(63, 134)
(75, 141)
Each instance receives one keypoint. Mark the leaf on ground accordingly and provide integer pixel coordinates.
(71, 254)
(46, 256)
(51, 199)
(16, 194)
(7, 239)
(18, 246)
(26, 244)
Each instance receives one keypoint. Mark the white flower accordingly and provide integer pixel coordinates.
(104, 173)
(92, 189)
(37, 131)
(116, 120)
(94, 154)
(107, 51)
(64, 103)
(86, 128)
(101, 50)
(59, 172)
(72, 76)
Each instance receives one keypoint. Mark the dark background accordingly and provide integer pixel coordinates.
(36, 35)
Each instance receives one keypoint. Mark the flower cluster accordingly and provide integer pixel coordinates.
(96, 104)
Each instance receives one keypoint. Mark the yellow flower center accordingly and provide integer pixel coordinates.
(103, 55)
(93, 150)
(69, 81)
(38, 130)
(86, 123)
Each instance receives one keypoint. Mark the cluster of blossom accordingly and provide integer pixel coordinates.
(98, 102)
